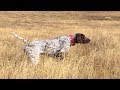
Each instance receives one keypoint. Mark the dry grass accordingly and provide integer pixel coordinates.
(100, 59)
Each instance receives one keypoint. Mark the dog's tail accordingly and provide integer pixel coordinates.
(19, 37)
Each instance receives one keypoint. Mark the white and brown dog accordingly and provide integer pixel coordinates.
(52, 47)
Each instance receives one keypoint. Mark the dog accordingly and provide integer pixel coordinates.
(52, 47)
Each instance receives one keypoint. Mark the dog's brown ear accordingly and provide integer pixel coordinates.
(82, 36)
(79, 37)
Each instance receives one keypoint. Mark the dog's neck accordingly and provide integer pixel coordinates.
(72, 40)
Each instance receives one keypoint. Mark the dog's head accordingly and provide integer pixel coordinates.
(80, 38)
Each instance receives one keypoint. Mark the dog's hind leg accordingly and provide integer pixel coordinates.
(34, 59)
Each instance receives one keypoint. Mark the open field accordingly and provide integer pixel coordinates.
(100, 59)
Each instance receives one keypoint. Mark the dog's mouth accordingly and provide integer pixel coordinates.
(86, 41)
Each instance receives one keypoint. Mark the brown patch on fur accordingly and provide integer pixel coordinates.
(80, 38)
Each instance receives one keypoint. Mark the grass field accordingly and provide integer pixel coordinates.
(100, 59)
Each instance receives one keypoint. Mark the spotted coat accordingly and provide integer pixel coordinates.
(51, 47)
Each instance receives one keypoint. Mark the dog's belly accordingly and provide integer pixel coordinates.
(52, 50)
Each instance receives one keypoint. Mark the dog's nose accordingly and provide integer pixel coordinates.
(88, 40)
